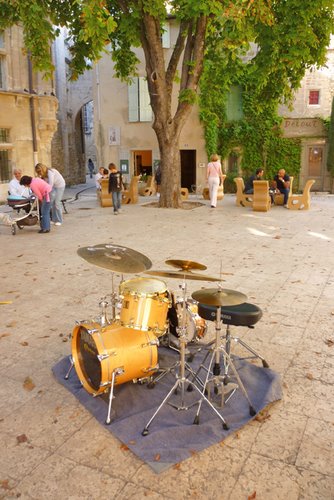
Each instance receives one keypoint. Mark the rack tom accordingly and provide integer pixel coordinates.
(145, 304)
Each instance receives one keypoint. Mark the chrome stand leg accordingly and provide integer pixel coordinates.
(249, 348)
(111, 394)
(70, 369)
(181, 381)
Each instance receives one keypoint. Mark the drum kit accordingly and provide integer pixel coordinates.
(110, 351)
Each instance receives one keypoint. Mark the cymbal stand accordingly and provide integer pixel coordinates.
(182, 380)
(217, 380)
(174, 366)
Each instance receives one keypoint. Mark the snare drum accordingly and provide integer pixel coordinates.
(145, 305)
(98, 352)
(195, 325)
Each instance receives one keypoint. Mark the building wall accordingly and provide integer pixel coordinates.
(306, 121)
(71, 147)
(17, 101)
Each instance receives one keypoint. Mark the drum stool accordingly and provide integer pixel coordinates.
(240, 315)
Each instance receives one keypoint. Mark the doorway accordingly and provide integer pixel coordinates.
(142, 162)
(188, 168)
(316, 167)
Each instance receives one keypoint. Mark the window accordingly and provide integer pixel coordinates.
(166, 36)
(234, 104)
(4, 155)
(139, 101)
(2, 72)
(4, 135)
(4, 165)
(2, 39)
(314, 97)
(87, 117)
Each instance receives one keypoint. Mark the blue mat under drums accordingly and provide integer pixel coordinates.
(172, 436)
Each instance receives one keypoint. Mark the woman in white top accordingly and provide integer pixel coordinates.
(57, 182)
(213, 176)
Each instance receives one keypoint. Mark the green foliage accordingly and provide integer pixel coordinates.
(292, 39)
(188, 96)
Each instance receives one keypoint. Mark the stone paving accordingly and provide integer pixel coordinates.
(283, 260)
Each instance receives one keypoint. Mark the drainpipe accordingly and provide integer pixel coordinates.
(32, 112)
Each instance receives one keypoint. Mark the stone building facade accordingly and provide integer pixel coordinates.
(312, 104)
(123, 132)
(73, 141)
(27, 111)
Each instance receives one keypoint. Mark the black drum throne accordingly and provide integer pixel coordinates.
(239, 315)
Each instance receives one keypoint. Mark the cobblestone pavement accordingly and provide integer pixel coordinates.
(283, 260)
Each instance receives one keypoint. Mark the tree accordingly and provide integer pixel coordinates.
(126, 24)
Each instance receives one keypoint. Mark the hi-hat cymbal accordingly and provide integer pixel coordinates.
(116, 258)
(219, 297)
(182, 275)
(185, 265)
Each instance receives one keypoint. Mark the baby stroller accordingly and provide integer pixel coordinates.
(27, 210)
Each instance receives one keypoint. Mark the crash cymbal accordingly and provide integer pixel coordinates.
(144, 286)
(219, 297)
(185, 265)
(116, 258)
(188, 275)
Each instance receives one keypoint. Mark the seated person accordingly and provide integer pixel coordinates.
(283, 184)
(249, 188)
(15, 188)
(102, 174)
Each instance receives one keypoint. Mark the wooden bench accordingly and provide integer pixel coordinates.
(184, 194)
(105, 197)
(149, 188)
(243, 199)
(131, 195)
(220, 194)
(301, 201)
(261, 197)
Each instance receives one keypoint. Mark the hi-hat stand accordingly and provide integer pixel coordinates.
(182, 381)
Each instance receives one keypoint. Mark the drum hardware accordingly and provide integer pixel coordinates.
(103, 318)
(182, 275)
(220, 384)
(185, 265)
(115, 258)
(182, 380)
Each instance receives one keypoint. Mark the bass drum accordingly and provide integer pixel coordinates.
(196, 326)
(97, 352)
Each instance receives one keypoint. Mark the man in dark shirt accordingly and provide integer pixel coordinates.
(115, 187)
(283, 184)
(249, 188)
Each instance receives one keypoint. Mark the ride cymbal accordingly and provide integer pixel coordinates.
(185, 265)
(115, 258)
(182, 275)
(219, 297)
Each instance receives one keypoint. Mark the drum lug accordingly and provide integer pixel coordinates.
(151, 368)
(101, 357)
(92, 331)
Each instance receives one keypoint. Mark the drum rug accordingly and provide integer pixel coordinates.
(172, 436)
